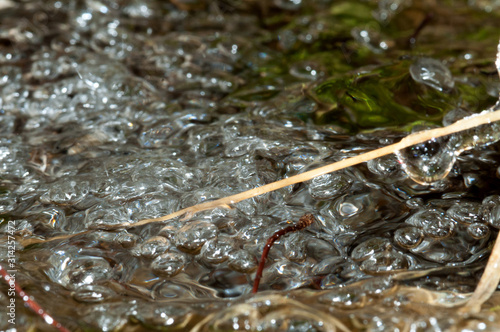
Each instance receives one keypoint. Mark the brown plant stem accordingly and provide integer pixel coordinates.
(412, 40)
(488, 282)
(32, 304)
(304, 221)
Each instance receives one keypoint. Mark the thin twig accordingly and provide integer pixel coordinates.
(412, 40)
(304, 221)
(410, 140)
(488, 282)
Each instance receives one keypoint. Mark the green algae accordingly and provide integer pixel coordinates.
(362, 87)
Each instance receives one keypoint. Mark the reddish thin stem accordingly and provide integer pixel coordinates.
(31, 303)
(412, 40)
(304, 221)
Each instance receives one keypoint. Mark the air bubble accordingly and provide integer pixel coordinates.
(372, 39)
(427, 162)
(191, 237)
(157, 135)
(126, 240)
(165, 316)
(433, 222)
(169, 264)
(327, 186)
(465, 212)
(490, 202)
(153, 247)
(433, 73)
(328, 265)
(478, 231)
(92, 293)
(370, 247)
(408, 237)
(384, 262)
(384, 166)
(242, 261)
(295, 247)
(440, 229)
(431, 161)
(84, 271)
(320, 249)
(217, 250)
(307, 70)
(66, 192)
(344, 298)
(451, 249)
(494, 219)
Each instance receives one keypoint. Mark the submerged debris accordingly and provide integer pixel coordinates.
(304, 221)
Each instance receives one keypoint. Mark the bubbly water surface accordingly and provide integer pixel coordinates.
(116, 111)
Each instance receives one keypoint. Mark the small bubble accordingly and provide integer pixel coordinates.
(439, 229)
(153, 247)
(295, 249)
(368, 248)
(168, 264)
(126, 240)
(494, 219)
(165, 315)
(92, 293)
(433, 73)
(328, 265)
(478, 231)
(384, 166)
(383, 262)
(191, 237)
(491, 201)
(157, 135)
(372, 39)
(242, 261)
(307, 70)
(327, 186)
(427, 162)
(85, 271)
(347, 209)
(465, 212)
(217, 250)
(408, 237)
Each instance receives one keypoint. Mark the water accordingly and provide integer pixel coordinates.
(433, 160)
(112, 112)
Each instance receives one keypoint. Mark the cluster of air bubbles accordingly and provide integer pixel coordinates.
(452, 235)
(112, 112)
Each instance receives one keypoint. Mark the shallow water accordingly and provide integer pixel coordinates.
(117, 111)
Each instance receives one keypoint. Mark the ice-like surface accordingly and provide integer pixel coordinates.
(116, 111)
